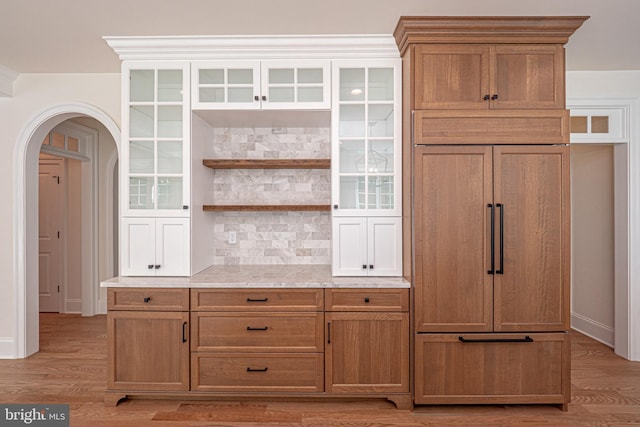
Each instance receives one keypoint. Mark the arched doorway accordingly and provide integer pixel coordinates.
(26, 214)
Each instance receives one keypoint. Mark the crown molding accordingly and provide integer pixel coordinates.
(253, 47)
(7, 77)
(485, 29)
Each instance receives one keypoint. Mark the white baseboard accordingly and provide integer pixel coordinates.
(593, 329)
(7, 348)
(73, 306)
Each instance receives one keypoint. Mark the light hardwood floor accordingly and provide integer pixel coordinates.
(71, 368)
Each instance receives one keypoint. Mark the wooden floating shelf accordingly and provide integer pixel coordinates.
(267, 163)
(266, 208)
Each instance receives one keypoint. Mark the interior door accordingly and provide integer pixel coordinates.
(531, 190)
(453, 281)
(50, 213)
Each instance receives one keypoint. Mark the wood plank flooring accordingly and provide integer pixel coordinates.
(71, 368)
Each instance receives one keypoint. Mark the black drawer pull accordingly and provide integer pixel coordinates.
(366, 299)
(249, 328)
(257, 299)
(257, 370)
(147, 299)
(525, 339)
(184, 332)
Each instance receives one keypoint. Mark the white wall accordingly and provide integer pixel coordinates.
(623, 86)
(33, 94)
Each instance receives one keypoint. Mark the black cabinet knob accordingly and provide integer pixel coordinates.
(371, 266)
(364, 266)
(495, 96)
(256, 98)
(147, 299)
(486, 98)
(366, 299)
(150, 266)
(157, 266)
(264, 97)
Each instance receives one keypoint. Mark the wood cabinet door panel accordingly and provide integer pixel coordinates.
(454, 372)
(253, 332)
(367, 352)
(532, 187)
(451, 77)
(148, 350)
(453, 188)
(527, 76)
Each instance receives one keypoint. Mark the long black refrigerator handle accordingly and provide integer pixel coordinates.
(501, 270)
(492, 221)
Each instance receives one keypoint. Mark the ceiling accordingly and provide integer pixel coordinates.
(65, 36)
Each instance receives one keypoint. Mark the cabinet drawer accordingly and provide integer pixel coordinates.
(367, 299)
(257, 332)
(151, 299)
(534, 370)
(256, 300)
(257, 372)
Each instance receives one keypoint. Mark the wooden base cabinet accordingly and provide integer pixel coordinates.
(256, 340)
(181, 343)
(367, 350)
(492, 368)
(148, 348)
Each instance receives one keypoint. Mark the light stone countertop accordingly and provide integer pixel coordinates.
(259, 276)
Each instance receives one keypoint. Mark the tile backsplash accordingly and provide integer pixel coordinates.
(271, 237)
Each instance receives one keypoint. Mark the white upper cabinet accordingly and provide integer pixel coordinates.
(156, 145)
(366, 138)
(277, 84)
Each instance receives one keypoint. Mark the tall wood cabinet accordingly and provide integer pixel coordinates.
(486, 202)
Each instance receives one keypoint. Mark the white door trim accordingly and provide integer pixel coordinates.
(25, 239)
(627, 219)
(88, 149)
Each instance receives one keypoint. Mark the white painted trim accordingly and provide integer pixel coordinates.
(73, 306)
(88, 142)
(627, 223)
(254, 47)
(107, 201)
(591, 328)
(25, 238)
(7, 78)
(7, 346)
(634, 234)
(59, 152)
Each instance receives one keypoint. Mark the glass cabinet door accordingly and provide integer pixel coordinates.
(366, 138)
(231, 85)
(155, 159)
(295, 85)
